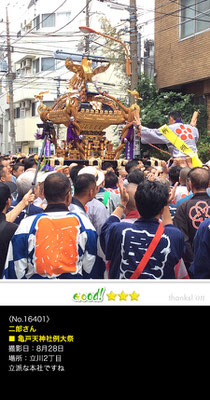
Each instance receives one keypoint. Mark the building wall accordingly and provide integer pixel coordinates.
(178, 61)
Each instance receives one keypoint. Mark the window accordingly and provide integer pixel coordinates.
(36, 23)
(34, 109)
(195, 17)
(48, 20)
(17, 112)
(48, 64)
(36, 66)
(7, 114)
(33, 150)
(62, 18)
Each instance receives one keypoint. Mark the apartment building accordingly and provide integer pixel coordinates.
(41, 29)
(35, 69)
(182, 47)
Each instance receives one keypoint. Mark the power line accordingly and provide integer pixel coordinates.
(181, 23)
(39, 35)
(174, 13)
(41, 21)
(182, 9)
(72, 18)
(23, 49)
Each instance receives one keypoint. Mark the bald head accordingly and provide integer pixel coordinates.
(199, 178)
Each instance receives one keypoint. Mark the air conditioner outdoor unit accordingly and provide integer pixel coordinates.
(28, 63)
(27, 104)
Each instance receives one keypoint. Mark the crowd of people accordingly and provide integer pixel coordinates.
(139, 221)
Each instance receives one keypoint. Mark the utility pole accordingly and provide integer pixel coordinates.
(87, 22)
(134, 55)
(133, 45)
(10, 77)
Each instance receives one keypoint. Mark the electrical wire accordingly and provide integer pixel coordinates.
(41, 21)
(41, 50)
(176, 14)
(22, 49)
(80, 12)
(40, 35)
(146, 22)
(177, 25)
(52, 33)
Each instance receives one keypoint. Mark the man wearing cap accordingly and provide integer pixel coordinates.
(7, 229)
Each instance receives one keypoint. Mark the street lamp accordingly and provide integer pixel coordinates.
(86, 29)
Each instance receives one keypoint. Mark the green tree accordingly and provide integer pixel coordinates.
(114, 51)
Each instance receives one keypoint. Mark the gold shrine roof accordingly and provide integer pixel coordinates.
(88, 120)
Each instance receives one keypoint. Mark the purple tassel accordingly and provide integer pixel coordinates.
(129, 151)
(71, 135)
(129, 144)
(48, 148)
